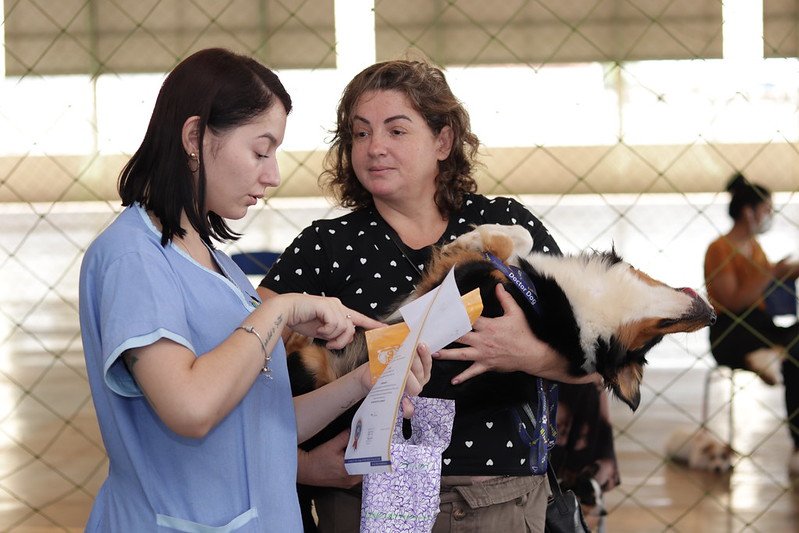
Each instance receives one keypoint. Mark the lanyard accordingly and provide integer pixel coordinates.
(517, 276)
(541, 437)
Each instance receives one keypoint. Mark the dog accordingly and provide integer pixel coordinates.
(591, 497)
(598, 312)
(699, 449)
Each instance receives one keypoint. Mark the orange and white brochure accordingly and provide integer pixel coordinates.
(384, 342)
(437, 318)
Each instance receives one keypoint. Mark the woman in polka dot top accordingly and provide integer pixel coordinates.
(402, 161)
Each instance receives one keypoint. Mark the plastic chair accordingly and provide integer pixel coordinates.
(255, 263)
(720, 371)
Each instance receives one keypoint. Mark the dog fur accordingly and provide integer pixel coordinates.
(597, 311)
(699, 449)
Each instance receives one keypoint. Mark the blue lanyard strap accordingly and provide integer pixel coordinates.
(541, 437)
(517, 276)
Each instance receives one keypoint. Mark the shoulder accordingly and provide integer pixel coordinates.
(354, 223)
(721, 245)
(479, 209)
(497, 210)
(128, 233)
(718, 254)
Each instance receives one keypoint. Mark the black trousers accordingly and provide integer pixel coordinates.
(731, 338)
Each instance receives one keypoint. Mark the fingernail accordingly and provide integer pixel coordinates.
(456, 381)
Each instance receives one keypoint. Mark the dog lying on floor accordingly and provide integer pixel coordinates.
(594, 309)
(699, 449)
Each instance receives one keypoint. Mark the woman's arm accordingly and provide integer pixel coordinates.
(265, 294)
(192, 394)
(735, 294)
(318, 408)
(506, 344)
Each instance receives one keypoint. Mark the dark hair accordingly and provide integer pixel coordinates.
(428, 92)
(744, 194)
(225, 90)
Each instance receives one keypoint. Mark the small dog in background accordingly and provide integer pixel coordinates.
(591, 497)
(699, 449)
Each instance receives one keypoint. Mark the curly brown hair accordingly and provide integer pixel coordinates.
(428, 92)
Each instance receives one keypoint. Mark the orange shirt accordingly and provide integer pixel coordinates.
(722, 256)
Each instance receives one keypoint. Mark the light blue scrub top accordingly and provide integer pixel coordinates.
(241, 476)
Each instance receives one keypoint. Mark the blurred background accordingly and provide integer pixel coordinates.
(618, 122)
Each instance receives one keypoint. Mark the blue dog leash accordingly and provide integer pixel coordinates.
(543, 433)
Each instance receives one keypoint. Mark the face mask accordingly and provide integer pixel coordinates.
(765, 224)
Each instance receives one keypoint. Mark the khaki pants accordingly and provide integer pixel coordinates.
(505, 504)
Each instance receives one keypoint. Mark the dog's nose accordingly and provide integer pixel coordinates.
(713, 318)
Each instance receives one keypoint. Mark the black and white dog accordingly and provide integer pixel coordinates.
(594, 309)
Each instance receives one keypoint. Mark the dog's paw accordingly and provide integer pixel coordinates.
(507, 242)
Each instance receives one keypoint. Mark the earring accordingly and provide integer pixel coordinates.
(196, 159)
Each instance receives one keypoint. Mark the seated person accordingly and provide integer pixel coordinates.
(737, 272)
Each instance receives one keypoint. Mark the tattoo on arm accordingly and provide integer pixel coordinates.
(348, 405)
(274, 329)
(130, 360)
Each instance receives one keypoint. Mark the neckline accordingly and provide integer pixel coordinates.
(392, 233)
(179, 249)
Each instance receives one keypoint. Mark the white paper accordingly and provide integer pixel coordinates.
(437, 319)
(440, 314)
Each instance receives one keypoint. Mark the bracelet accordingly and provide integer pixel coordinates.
(267, 356)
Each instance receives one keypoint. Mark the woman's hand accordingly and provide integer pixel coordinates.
(323, 466)
(322, 318)
(418, 376)
(506, 344)
(785, 269)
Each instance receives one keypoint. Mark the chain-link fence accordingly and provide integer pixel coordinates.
(617, 121)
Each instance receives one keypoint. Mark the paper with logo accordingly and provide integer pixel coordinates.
(437, 318)
(384, 342)
(407, 498)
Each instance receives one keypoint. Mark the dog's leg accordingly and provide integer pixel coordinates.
(324, 366)
(506, 242)
(766, 363)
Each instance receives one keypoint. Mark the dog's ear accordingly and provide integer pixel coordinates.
(622, 369)
(626, 384)
(590, 470)
(729, 452)
(707, 448)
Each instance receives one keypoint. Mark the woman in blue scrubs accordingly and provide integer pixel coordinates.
(186, 364)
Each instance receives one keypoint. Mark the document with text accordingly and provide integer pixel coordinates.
(437, 318)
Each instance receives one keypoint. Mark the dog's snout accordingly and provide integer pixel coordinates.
(689, 291)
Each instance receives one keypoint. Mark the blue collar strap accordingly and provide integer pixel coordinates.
(521, 280)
